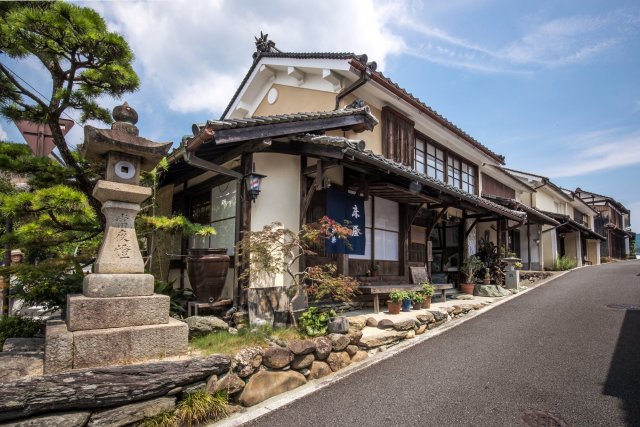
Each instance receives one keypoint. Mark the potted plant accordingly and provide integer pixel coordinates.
(406, 301)
(427, 291)
(470, 267)
(395, 301)
(487, 277)
(418, 299)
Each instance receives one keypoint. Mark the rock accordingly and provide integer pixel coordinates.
(212, 383)
(492, 291)
(58, 356)
(410, 334)
(404, 325)
(111, 386)
(191, 388)
(339, 342)
(477, 306)
(359, 356)
(305, 372)
(450, 310)
(354, 336)
(240, 318)
(385, 324)
(14, 365)
(323, 347)
(338, 360)
(352, 349)
(463, 297)
(357, 322)
(438, 316)
(23, 345)
(201, 325)
(382, 338)
(421, 330)
(299, 347)
(372, 322)
(247, 361)
(456, 310)
(466, 307)
(266, 384)
(338, 325)
(233, 331)
(318, 370)
(65, 419)
(302, 361)
(427, 317)
(276, 357)
(230, 383)
(132, 413)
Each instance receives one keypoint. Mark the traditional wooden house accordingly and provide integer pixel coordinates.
(613, 221)
(415, 180)
(565, 224)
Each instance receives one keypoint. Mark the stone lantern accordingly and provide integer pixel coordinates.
(117, 319)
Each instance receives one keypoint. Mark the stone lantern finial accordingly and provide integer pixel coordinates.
(125, 119)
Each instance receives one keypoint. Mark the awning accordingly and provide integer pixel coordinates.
(569, 225)
(533, 214)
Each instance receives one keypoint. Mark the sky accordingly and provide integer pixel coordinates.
(553, 85)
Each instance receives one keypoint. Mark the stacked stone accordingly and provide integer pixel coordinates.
(118, 318)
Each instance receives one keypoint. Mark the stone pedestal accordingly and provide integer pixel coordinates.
(118, 319)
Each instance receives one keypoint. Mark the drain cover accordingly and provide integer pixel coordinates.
(532, 418)
(624, 306)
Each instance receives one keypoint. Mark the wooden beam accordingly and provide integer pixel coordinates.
(316, 186)
(436, 221)
(473, 224)
(247, 147)
(297, 74)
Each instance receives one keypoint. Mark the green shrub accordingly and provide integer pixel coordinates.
(17, 326)
(314, 322)
(418, 297)
(195, 409)
(398, 296)
(564, 263)
(428, 288)
(178, 297)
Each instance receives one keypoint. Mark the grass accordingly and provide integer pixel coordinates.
(564, 263)
(195, 409)
(228, 344)
(17, 326)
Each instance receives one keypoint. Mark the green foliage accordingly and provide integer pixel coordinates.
(46, 284)
(398, 296)
(178, 297)
(314, 322)
(324, 282)
(17, 326)
(427, 288)
(222, 342)
(176, 224)
(471, 266)
(417, 297)
(85, 60)
(564, 263)
(195, 409)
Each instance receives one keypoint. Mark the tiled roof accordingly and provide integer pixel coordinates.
(576, 225)
(533, 212)
(288, 118)
(360, 61)
(355, 149)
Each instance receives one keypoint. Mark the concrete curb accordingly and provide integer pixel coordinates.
(285, 399)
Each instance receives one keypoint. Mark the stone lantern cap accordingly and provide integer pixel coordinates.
(123, 138)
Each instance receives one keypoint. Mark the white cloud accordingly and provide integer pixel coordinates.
(195, 53)
(551, 43)
(3, 134)
(594, 151)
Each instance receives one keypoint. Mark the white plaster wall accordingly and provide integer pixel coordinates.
(480, 232)
(279, 201)
(544, 200)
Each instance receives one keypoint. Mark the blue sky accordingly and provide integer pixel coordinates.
(553, 85)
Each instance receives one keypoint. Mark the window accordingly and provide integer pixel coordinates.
(222, 209)
(385, 226)
(443, 165)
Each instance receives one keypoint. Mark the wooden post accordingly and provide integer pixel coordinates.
(7, 262)
(244, 226)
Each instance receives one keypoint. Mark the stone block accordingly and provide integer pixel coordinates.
(23, 345)
(117, 285)
(58, 349)
(101, 313)
(130, 344)
(119, 252)
(14, 366)
(266, 384)
(119, 191)
(65, 419)
(129, 414)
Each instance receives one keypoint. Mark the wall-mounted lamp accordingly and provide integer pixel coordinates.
(536, 241)
(253, 182)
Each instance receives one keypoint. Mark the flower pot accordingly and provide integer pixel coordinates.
(427, 302)
(406, 305)
(486, 281)
(417, 305)
(207, 270)
(467, 288)
(394, 307)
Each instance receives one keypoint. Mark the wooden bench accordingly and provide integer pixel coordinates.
(585, 261)
(377, 290)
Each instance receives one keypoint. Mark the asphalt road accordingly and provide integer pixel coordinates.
(556, 349)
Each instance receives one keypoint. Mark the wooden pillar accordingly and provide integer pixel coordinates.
(405, 228)
(243, 225)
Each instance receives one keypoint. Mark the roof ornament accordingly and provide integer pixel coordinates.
(263, 44)
(358, 103)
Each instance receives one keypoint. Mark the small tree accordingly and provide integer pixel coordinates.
(84, 60)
